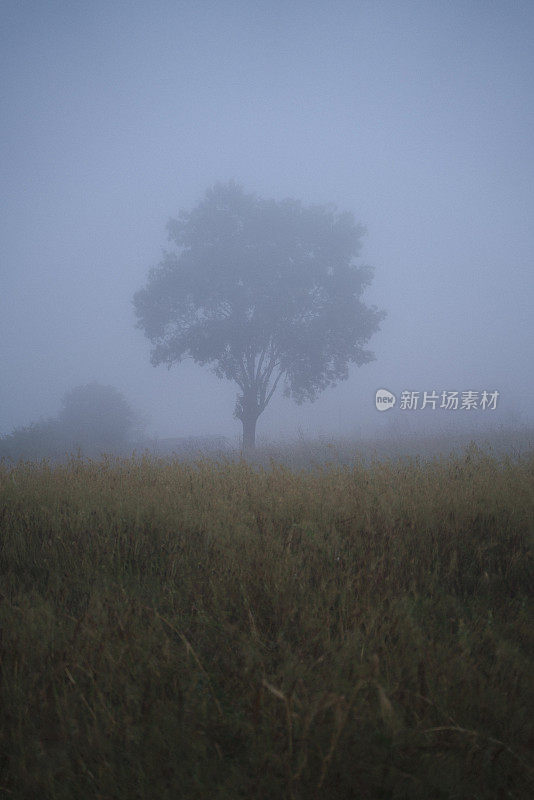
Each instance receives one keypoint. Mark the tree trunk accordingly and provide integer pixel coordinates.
(249, 431)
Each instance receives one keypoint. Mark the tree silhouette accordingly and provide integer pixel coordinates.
(92, 419)
(263, 292)
(96, 417)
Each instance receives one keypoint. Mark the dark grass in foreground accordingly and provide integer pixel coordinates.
(231, 631)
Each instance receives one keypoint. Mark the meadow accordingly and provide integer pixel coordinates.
(296, 626)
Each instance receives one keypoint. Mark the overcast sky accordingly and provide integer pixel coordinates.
(416, 116)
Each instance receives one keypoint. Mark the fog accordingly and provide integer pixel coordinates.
(417, 117)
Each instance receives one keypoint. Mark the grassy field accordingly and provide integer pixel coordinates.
(248, 630)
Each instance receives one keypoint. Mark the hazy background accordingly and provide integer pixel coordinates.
(416, 116)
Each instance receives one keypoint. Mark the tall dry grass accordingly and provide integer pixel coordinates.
(237, 630)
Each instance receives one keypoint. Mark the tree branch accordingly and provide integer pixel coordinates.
(264, 380)
(260, 364)
(275, 384)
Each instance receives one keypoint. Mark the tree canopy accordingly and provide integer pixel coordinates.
(263, 292)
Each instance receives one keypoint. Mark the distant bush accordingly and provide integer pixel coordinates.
(96, 417)
(43, 439)
(93, 419)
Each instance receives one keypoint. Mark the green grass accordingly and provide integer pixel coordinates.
(232, 630)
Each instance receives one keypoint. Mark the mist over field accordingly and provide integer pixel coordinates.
(297, 563)
(416, 117)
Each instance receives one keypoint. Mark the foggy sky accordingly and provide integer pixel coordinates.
(416, 116)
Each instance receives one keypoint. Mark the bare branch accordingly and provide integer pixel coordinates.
(273, 388)
(260, 363)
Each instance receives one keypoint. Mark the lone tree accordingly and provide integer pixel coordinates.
(260, 291)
